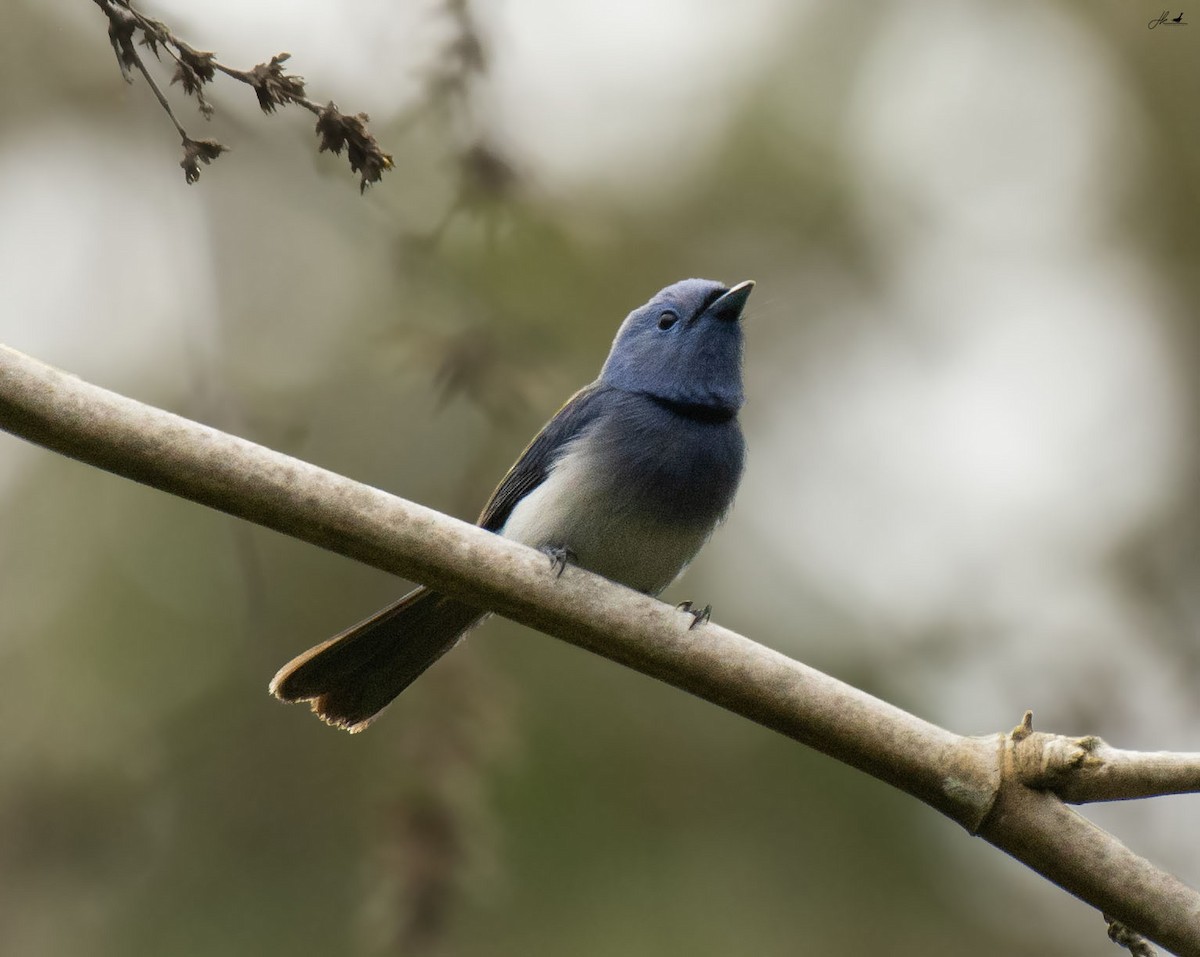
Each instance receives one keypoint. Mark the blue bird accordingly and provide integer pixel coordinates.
(627, 480)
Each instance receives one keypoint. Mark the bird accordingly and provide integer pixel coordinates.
(628, 480)
(1178, 19)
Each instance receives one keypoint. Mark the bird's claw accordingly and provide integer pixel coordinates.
(700, 616)
(559, 556)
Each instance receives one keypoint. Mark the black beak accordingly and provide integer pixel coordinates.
(729, 307)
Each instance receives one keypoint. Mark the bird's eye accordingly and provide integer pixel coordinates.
(667, 320)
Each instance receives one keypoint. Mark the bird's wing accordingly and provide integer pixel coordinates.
(534, 464)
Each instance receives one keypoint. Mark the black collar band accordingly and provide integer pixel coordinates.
(696, 411)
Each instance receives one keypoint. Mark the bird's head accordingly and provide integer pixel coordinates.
(683, 346)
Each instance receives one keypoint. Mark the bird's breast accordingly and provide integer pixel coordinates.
(636, 495)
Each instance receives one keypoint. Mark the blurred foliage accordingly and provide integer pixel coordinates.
(523, 797)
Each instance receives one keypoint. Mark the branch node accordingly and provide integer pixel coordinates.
(1024, 729)
(1135, 943)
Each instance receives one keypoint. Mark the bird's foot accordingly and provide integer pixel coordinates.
(700, 616)
(559, 556)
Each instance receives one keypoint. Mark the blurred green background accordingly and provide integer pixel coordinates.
(973, 377)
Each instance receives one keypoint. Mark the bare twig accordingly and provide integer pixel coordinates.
(273, 87)
(1085, 770)
(977, 781)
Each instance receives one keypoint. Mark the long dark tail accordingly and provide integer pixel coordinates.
(352, 677)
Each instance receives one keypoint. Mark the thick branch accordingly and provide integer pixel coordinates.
(1039, 830)
(972, 780)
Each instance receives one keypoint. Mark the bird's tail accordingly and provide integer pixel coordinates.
(352, 677)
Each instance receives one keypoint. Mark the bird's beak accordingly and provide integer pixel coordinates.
(729, 307)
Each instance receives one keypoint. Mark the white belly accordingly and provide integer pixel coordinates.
(579, 507)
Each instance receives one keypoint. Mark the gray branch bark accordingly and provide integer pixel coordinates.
(1007, 788)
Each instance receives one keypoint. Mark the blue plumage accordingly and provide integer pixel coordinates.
(683, 346)
(630, 477)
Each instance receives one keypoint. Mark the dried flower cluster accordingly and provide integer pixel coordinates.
(273, 87)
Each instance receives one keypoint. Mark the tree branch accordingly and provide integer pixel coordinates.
(981, 782)
(1084, 770)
